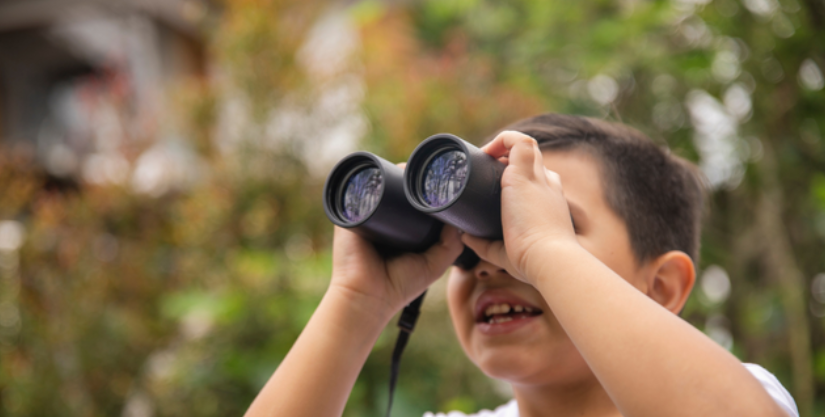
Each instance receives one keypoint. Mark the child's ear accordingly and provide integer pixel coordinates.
(671, 280)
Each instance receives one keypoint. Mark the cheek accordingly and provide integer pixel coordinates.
(459, 289)
(460, 285)
(613, 249)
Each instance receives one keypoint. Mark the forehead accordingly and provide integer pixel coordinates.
(581, 177)
(604, 232)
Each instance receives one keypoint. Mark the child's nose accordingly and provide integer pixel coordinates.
(486, 270)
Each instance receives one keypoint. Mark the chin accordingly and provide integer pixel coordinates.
(509, 363)
(509, 370)
(526, 367)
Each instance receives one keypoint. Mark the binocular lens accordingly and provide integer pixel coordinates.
(444, 177)
(361, 194)
(365, 193)
(457, 183)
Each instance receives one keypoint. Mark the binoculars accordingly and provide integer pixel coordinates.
(447, 180)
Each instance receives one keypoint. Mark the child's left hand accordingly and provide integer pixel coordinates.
(534, 212)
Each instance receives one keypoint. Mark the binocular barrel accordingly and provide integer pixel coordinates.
(365, 193)
(446, 180)
(457, 183)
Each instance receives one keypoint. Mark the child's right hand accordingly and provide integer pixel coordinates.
(387, 285)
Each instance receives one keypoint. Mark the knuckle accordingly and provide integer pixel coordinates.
(525, 142)
(514, 138)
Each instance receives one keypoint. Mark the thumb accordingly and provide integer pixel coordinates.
(444, 252)
(492, 251)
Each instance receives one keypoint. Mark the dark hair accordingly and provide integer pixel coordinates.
(660, 196)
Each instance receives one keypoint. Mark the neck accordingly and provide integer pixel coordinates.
(584, 399)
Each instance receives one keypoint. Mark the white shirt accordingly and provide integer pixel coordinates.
(771, 384)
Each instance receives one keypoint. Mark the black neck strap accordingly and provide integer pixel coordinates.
(406, 324)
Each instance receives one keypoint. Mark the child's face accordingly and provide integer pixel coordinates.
(523, 347)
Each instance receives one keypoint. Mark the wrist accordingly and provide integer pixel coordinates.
(553, 255)
(362, 307)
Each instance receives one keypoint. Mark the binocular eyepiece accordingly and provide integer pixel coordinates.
(447, 180)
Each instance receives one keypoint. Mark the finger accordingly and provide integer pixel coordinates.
(346, 238)
(346, 243)
(503, 143)
(492, 251)
(525, 157)
(553, 178)
(401, 165)
(444, 252)
(538, 162)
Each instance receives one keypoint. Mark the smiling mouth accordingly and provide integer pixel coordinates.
(505, 312)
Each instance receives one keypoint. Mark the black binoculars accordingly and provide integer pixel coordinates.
(447, 180)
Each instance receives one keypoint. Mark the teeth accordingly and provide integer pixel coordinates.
(505, 308)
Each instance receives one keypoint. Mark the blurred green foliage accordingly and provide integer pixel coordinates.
(184, 304)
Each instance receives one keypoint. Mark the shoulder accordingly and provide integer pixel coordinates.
(774, 388)
(507, 410)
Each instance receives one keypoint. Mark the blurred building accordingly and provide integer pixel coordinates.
(82, 82)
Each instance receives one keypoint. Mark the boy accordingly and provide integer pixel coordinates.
(580, 317)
